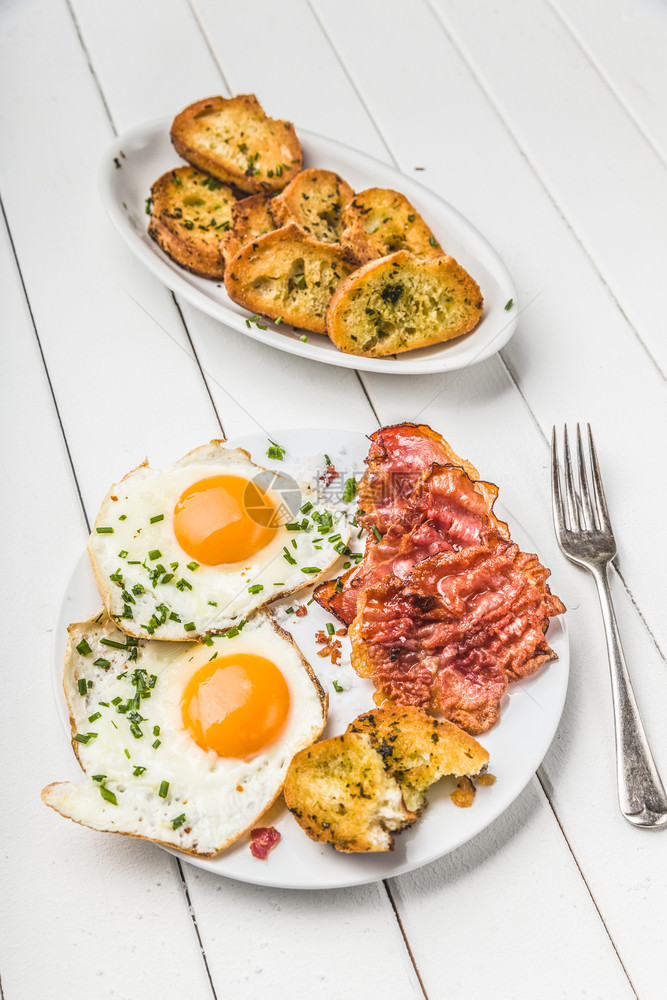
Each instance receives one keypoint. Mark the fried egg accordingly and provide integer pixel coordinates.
(193, 549)
(187, 745)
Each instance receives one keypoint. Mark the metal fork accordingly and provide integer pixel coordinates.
(585, 536)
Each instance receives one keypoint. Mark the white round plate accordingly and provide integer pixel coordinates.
(136, 159)
(530, 715)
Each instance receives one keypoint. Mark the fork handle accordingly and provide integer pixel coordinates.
(640, 791)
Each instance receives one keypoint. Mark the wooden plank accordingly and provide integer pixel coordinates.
(550, 960)
(629, 52)
(587, 151)
(106, 915)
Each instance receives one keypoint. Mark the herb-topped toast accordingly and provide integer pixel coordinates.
(190, 212)
(251, 218)
(233, 140)
(379, 221)
(402, 302)
(315, 200)
(288, 276)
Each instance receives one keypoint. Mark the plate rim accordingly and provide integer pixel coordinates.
(177, 281)
(353, 879)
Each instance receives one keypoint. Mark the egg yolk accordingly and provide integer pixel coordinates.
(224, 519)
(236, 705)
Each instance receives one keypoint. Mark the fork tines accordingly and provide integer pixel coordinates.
(580, 507)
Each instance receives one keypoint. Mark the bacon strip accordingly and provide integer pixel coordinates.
(445, 510)
(456, 631)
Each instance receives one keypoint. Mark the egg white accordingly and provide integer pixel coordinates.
(189, 600)
(213, 800)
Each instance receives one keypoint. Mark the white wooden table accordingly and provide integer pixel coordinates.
(545, 123)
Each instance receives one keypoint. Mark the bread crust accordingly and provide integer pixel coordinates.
(190, 214)
(288, 275)
(380, 221)
(315, 200)
(402, 302)
(234, 140)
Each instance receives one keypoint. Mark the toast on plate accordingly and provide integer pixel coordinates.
(315, 200)
(190, 212)
(251, 218)
(288, 276)
(418, 750)
(379, 221)
(340, 793)
(402, 302)
(234, 140)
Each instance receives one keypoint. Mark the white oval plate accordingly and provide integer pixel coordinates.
(530, 715)
(146, 152)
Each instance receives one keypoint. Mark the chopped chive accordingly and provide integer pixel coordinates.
(275, 451)
(83, 648)
(123, 517)
(112, 642)
(138, 770)
(123, 554)
(288, 557)
(127, 753)
(327, 459)
(376, 532)
(207, 640)
(350, 490)
(154, 554)
(303, 338)
(509, 304)
(156, 518)
(256, 588)
(83, 686)
(337, 686)
(193, 566)
(104, 531)
(281, 583)
(99, 777)
(183, 585)
(82, 738)
(330, 628)
(289, 611)
(178, 821)
(432, 241)
(189, 626)
(94, 717)
(156, 730)
(108, 796)
(213, 604)
(136, 731)
(306, 507)
(311, 569)
(156, 744)
(338, 586)
(164, 788)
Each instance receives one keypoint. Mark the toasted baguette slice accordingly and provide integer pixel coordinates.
(380, 221)
(315, 200)
(417, 750)
(251, 217)
(190, 213)
(402, 302)
(232, 139)
(340, 794)
(288, 275)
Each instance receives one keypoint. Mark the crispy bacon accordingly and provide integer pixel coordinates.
(262, 841)
(456, 630)
(396, 458)
(446, 510)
